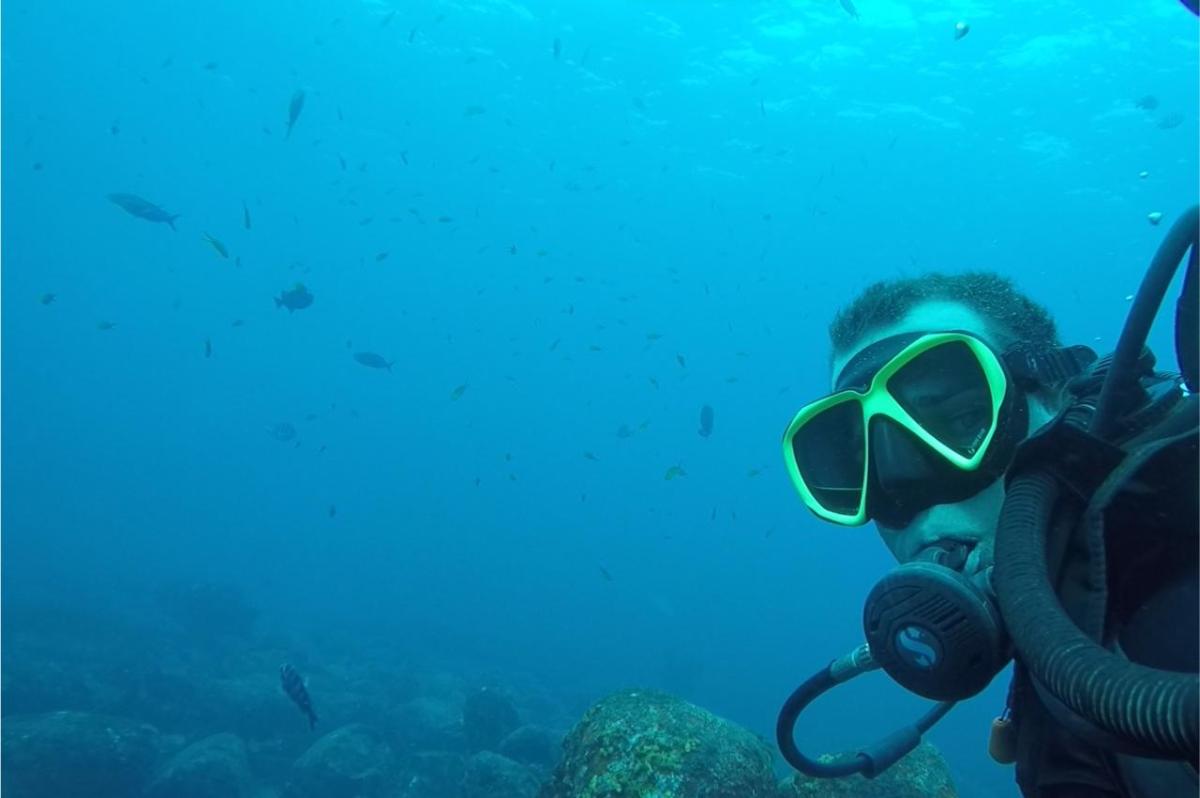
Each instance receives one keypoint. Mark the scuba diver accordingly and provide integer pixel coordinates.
(1044, 506)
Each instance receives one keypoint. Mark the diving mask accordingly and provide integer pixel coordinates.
(917, 420)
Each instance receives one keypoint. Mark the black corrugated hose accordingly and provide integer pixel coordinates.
(1152, 708)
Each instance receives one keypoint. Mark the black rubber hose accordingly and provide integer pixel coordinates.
(1123, 373)
(870, 761)
(785, 729)
(1155, 709)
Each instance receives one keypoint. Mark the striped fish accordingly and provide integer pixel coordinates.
(296, 690)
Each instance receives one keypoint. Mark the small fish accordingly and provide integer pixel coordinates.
(237, 323)
(624, 431)
(654, 382)
(1169, 120)
(217, 245)
(332, 510)
(295, 298)
(105, 326)
(373, 360)
(590, 456)
(681, 361)
(296, 690)
(1147, 103)
(386, 21)
(245, 215)
(474, 110)
(284, 431)
(961, 29)
(404, 156)
(706, 421)
(47, 299)
(557, 48)
(753, 472)
(653, 336)
(713, 517)
(143, 209)
(208, 347)
(673, 472)
(342, 162)
(458, 392)
(445, 219)
(604, 573)
(296, 106)
(380, 257)
(849, 8)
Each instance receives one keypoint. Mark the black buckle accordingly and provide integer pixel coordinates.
(1064, 448)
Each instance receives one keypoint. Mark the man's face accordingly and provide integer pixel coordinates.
(973, 520)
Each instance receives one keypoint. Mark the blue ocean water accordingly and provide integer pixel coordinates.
(567, 227)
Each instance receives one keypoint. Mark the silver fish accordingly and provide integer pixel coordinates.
(373, 360)
(294, 109)
(143, 209)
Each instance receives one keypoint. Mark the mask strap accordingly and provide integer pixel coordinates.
(1033, 367)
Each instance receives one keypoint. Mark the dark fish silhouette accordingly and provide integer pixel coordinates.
(373, 360)
(208, 347)
(557, 48)
(294, 109)
(296, 298)
(294, 686)
(245, 215)
(283, 431)
(143, 209)
(220, 248)
(849, 8)
(706, 421)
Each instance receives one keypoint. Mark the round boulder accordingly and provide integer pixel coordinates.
(493, 776)
(351, 762)
(532, 745)
(922, 773)
(488, 716)
(639, 742)
(215, 767)
(428, 724)
(76, 753)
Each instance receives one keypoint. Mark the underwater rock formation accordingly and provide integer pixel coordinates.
(921, 774)
(215, 767)
(350, 762)
(640, 742)
(488, 717)
(77, 753)
(493, 776)
(533, 745)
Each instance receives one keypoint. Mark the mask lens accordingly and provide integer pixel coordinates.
(946, 391)
(829, 452)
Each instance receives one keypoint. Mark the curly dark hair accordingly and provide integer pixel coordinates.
(1011, 315)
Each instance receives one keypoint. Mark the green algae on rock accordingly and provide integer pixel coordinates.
(645, 744)
(920, 774)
